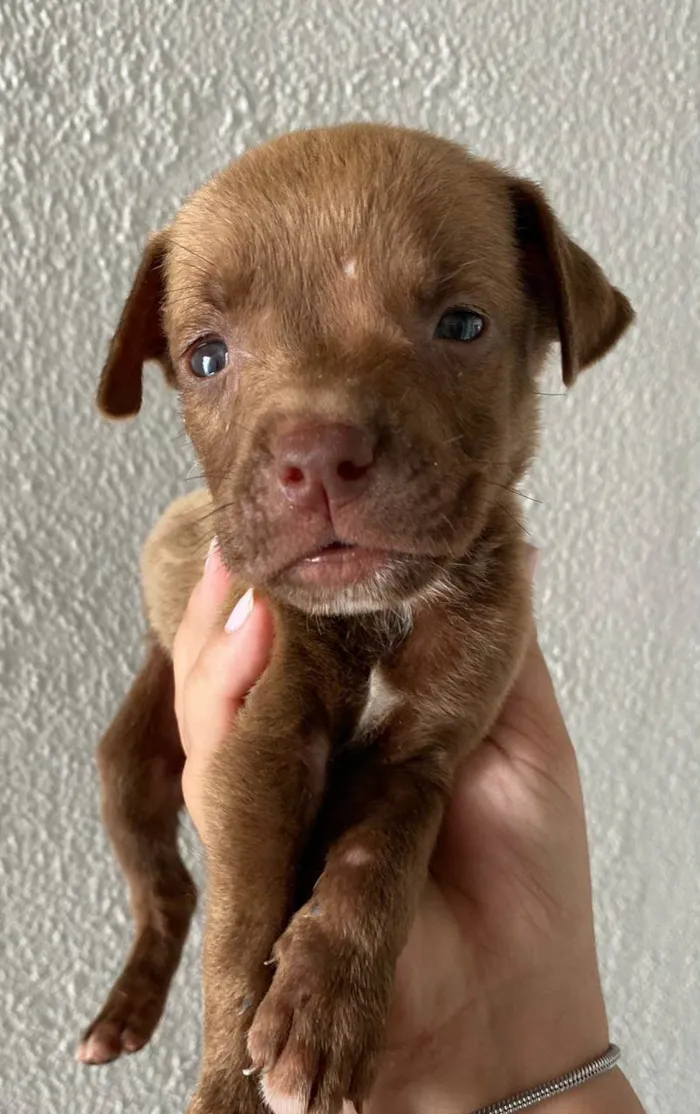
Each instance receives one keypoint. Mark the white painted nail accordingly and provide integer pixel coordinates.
(212, 549)
(240, 612)
(533, 560)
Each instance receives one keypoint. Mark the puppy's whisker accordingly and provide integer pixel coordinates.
(185, 247)
(451, 526)
(515, 491)
(213, 512)
(497, 483)
(438, 230)
(235, 426)
(517, 521)
(205, 477)
(474, 262)
(189, 475)
(181, 435)
(473, 459)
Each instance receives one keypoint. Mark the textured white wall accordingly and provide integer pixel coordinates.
(111, 111)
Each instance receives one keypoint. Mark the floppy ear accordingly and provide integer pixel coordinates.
(139, 337)
(579, 306)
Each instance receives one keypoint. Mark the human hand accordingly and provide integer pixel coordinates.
(497, 988)
(215, 663)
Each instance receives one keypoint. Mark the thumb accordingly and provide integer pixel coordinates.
(229, 663)
(232, 659)
(216, 662)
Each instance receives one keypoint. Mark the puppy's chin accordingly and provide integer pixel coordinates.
(383, 585)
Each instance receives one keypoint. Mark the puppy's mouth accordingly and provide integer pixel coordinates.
(339, 564)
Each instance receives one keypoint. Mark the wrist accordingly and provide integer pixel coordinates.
(521, 1034)
(606, 1094)
(540, 1031)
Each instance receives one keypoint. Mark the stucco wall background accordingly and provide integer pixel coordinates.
(111, 110)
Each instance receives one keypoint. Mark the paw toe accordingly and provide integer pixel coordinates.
(101, 1045)
(269, 1033)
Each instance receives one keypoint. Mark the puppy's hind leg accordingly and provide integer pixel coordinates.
(140, 760)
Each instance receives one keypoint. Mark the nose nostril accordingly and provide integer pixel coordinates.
(349, 471)
(317, 464)
(292, 476)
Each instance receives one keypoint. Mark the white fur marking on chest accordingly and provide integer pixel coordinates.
(382, 699)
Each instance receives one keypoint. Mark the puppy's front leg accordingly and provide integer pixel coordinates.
(318, 1032)
(264, 790)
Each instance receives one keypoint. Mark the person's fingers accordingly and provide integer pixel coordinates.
(531, 712)
(228, 665)
(532, 561)
(215, 667)
(528, 742)
(531, 707)
(202, 614)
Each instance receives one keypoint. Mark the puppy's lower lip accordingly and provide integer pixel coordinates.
(336, 551)
(339, 564)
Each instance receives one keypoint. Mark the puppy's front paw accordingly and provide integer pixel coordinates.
(224, 1092)
(317, 1032)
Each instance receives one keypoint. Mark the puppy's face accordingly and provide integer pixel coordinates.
(354, 319)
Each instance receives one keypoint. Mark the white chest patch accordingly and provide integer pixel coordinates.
(350, 268)
(382, 699)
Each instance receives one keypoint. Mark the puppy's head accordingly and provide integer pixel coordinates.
(354, 319)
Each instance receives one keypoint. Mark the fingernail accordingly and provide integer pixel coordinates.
(532, 562)
(213, 546)
(240, 612)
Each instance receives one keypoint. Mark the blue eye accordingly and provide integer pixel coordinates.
(459, 323)
(209, 359)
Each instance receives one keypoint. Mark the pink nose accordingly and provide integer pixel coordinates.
(322, 464)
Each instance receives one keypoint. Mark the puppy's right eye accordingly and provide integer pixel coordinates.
(209, 358)
(460, 323)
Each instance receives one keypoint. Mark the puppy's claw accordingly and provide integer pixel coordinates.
(98, 1050)
(249, 1071)
(271, 962)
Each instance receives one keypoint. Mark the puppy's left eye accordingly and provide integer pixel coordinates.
(459, 323)
(209, 358)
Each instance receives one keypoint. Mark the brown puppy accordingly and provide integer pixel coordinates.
(355, 319)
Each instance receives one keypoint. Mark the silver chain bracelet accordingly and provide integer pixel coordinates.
(567, 1082)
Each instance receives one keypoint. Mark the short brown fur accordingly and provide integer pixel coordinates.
(324, 260)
